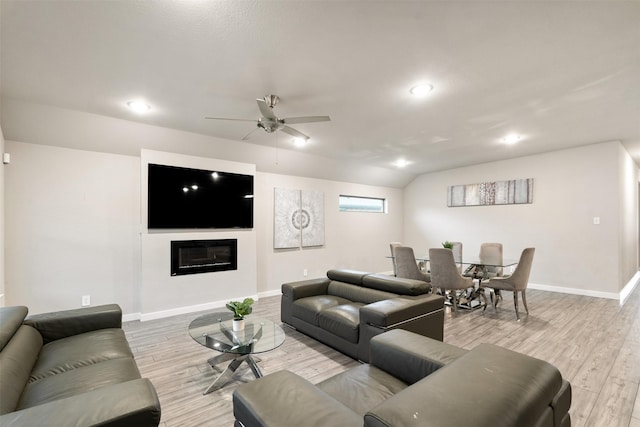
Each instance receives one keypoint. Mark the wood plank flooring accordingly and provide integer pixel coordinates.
(594, 342)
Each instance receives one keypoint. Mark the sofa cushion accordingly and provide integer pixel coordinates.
(396, 285)
(342, 320)
(357, 293)
(309, 308)
(80, 350)
(362, 387)
(77, 381)
(16, 361)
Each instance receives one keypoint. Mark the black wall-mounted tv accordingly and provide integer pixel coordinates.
(181, 198)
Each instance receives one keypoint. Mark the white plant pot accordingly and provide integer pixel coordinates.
(238, 325)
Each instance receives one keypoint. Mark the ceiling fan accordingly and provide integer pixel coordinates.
(271, 123)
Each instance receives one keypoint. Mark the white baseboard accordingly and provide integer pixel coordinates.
(188, 309)
(621, 296)
(629, 287)
(573, 291)
(130, 317)
(270, 293)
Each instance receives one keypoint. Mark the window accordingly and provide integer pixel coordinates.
(362, 204)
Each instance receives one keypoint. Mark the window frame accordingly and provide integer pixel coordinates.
(383, 208)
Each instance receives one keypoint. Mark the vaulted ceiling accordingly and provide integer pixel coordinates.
(558, 74)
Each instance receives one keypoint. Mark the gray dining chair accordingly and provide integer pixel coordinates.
(517, 282)
(491, 253)
(446, 276)
(406, 265)
(457, 254)
(393, 246)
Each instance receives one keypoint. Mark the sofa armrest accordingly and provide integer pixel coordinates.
(296, 290)
(388, 313)
(285, 399)
(305, 288)
(62, 324)
(132, 403)
(505, 389)
(410, 357)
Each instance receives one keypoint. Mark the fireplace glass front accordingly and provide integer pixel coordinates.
(203, 256)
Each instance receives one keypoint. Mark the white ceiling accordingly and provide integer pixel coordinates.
(561, 74)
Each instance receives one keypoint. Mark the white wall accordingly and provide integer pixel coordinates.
(571, 187)
(628, 210)
(163, 294)
(76, 226)
(355, 240)
(2, 150)
(71, 228)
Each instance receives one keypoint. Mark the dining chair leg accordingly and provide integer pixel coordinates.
(454, 301)
(524, 300)
(483, 296)
(515, 303)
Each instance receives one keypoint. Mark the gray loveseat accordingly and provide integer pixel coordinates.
(415, 381)
(347, 308)
(71, 368)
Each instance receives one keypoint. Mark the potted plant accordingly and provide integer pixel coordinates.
(447, 244)
(240, 309)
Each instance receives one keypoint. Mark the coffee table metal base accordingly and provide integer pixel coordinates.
(236, 361)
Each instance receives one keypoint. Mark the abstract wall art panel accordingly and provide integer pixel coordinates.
(286, 234)
(512, 192)
(298, 218)
(312, 218)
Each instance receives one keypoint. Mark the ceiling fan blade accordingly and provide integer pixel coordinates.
(265, 110)
(235, 120)
(244, 138)
(293, 132)
(309, 119)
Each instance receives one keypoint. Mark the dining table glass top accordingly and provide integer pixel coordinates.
(506, 262)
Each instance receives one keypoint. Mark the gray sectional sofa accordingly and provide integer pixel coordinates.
(413, 380)
(347, 308)
(71, 368)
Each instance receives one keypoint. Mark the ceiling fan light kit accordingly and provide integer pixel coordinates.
(271, 123)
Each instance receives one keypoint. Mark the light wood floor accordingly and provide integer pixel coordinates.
(594, 342)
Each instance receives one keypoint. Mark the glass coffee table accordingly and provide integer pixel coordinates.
(215, 331)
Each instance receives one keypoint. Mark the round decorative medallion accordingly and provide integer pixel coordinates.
(301, 219)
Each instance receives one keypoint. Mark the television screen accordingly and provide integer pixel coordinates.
(194, 198)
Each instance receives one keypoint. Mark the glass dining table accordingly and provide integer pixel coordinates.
(478, 269)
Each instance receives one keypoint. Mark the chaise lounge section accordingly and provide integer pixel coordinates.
(347, 308)
(413, 380)
(71, 368)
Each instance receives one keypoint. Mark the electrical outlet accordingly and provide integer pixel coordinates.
(596, 220)
(86, 300)
(304, 272)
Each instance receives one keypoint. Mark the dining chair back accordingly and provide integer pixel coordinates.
(457, 254)
(445, 274)
(517, 282)
(491, 253)
(393, 246)
(406, 265)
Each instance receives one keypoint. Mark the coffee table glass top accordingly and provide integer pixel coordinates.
(215, 331)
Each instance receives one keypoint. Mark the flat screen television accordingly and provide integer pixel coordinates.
(181, 198)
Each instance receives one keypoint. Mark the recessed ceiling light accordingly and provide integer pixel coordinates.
(401, 163)
(511, 138)
(299, 142)
(138, 106)
(421, 90)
